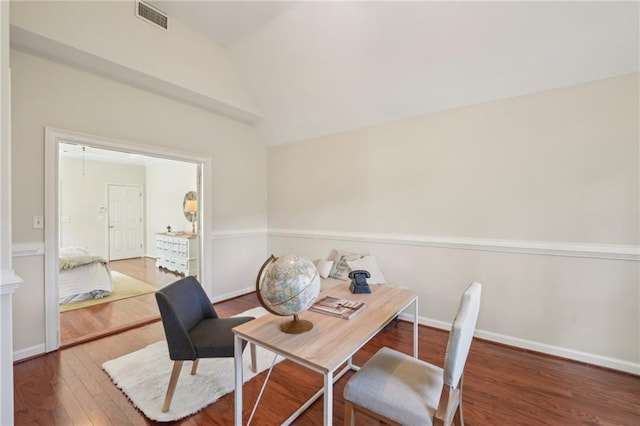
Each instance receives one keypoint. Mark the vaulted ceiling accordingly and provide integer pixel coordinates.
(318, 68)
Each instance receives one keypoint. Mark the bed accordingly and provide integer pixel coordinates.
(82, 275)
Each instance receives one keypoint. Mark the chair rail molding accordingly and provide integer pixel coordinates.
(545, 248)
(28, 249)
(238, 233)
(9, 281)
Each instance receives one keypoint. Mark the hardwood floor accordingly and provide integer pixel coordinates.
(81, 325)
(503, 386)
(144, 269)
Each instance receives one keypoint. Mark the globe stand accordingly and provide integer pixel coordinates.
(296, 326)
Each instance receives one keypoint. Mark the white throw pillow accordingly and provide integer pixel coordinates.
(341, 268)
(324, 267)
(368, 263)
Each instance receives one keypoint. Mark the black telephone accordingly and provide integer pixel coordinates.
(359, 282)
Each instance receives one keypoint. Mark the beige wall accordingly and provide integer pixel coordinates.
(549, 170)
(495, 192)
(554, 166)
(46, 93)
(110, 31)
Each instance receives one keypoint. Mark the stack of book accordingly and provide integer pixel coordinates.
(340, 308)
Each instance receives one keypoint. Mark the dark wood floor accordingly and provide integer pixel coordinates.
(503, 386)
(81, 325)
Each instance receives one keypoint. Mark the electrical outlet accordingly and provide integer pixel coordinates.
(38, 222)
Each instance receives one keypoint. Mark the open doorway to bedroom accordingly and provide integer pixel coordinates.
(114, 202)
(113, 205)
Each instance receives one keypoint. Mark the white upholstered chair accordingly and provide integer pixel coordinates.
(401, 390)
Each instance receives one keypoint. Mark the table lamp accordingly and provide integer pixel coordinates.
(191, 207)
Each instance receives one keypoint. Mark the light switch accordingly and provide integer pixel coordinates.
(38, 222)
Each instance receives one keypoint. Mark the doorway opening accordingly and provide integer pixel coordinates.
(111, 199)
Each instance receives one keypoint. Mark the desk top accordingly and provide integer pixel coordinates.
(332, 340)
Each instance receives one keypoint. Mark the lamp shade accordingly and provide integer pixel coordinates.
(191, 206)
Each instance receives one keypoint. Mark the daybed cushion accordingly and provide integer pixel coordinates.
(341, 268)
(324, 267)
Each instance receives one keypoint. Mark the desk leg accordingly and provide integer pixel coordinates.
(415, 328)
(237, 362)
(328, 399)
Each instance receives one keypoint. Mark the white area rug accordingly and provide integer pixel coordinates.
(143, 376)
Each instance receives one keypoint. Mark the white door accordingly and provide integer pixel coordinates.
(125, 221)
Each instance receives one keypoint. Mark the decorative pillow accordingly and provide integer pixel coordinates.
(368, 263)
(324, 267)
(340, 268)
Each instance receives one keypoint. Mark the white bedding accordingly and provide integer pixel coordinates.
(91, 281)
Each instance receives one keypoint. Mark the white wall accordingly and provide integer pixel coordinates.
(507, 193)
(46, 93)
(167, 183)
(82, 195)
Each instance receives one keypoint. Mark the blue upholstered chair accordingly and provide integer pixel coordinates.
(401, 390)
(193, 329)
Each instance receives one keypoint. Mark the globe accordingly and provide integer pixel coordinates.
(288, 285)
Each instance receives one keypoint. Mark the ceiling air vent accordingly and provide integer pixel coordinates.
(151, 14)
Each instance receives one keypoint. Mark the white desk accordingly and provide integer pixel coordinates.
(330, 344)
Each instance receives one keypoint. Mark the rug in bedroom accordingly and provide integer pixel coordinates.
(143, 377)
(124, 287)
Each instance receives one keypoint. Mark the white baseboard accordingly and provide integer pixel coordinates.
(29, 352)
(602, 361)
(231, 295)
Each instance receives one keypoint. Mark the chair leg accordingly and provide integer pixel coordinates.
(457, 417)
(458, 420)
(175, 373)
(349, 417)
(254, 359)
(194, 366)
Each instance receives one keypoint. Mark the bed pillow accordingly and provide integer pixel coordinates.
(341, 268)
(324, 267)
(368, 263)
